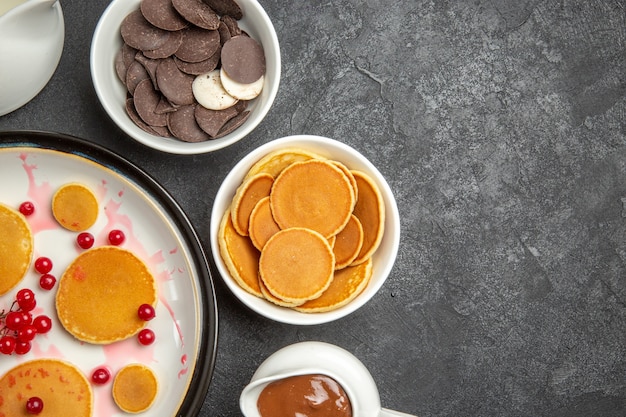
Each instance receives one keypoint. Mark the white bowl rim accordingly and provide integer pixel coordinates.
(102, 70)
(389, 245)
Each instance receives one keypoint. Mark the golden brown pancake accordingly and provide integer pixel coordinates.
(262, 224)
(347, 284)
(135, 388)
(348, 174)
(348, 243)
(314, 194)
(248, 194)
(370, 210)
(274, 162)
(16, 248)
(100, 292)
(60, 385)
(75, 207)
(270, 297)
(296, 264)
(240, 256)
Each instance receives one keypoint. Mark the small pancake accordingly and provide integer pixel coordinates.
(270, 297)
(61, 386)
(246, 197)
(135, 388)
(348, 243)
(262, 225)
(370, 210)
(274, 162)
(314, 194)
(16, 248)
(296, 264)
(99, 293)
(347, 284)
(75, 207)
(240, 256)
(348, 174)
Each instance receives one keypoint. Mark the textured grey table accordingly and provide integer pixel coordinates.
(500, 126)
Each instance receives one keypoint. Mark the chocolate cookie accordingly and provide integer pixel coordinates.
(226, 7)
(243, 59)
(169, 48)
(173, 83)
(161, 13)
(211, 121)
(182, 123)
(135, 74)
(198, 13)
(146, 99)
(141, 34)
(197, 68)
(198, 44)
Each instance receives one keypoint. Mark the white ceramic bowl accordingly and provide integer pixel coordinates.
(383, 258)
(112, 94)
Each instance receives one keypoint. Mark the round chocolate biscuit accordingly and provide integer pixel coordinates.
(182, 123)
(173, 83)
(243, 59)
(233, 124)
(211, 121)
(197, 68)
(198, 13)
(135, 74)
(226, 7)
(149, 64)
(161, 13)
(198, 44)
(134, 116)
(141, 34)
(169, 48)
(146, 100)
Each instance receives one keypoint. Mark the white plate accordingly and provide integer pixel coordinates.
(32, 166)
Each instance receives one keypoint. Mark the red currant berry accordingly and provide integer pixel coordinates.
(26, 333)
(34, 405)
(146, 312)
(85, 240)
(14, 320)
(47, 281)
(100, 376)
(7, 345)
(146, 337)
(116, 237)
(22, 347)
(27, 208)
(43, 265)
(27, 318)
(42, 323)
(26, 299)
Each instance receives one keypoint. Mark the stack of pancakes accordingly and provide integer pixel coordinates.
(301, 230)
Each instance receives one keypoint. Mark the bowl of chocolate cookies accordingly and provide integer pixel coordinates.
(185, 76)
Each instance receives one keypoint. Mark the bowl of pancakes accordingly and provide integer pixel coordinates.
(304, 230)
(185, 76)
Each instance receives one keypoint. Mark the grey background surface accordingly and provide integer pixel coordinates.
(500, 127)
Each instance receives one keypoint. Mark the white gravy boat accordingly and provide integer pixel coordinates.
(306, 358)
(31, 42)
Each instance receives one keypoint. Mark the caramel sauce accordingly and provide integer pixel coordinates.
(304, 396)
